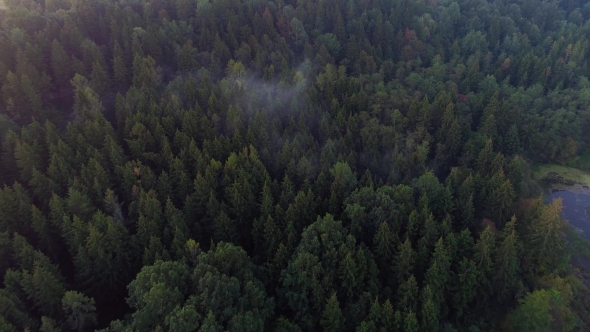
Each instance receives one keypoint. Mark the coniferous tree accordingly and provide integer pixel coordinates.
(466, 281)
(332, 318)
(506, 260)
(404, 261)
(408, 295)
(439, 274)
(429, 311)
(384, 243)
(411, 323)
(60, 63)
(483, 260)
(100, 78)
(120, 72)
(546, 237)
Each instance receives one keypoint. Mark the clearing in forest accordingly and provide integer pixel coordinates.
(562, 177)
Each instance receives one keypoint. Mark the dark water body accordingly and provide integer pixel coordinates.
(576, 210)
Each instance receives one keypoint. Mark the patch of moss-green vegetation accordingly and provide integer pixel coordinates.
(584, 162)
(560, 176)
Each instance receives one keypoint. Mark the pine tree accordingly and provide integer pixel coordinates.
(366, 327)
(484, 159)
(408, 295)
(411, 322)
(15, 205)
(499, 202)
(429, 311)
(348, 272)
(387, 316)
(48, 238)
(210, 324)
(462, 246)
(150, 218)
(439, 274)
(28, 158)
(225, 229)
(154, 252)
(303, 209)
(99, 78)
(384, 243)
(79, 204)
(414, 226)
(177, 232)
(375, 313)
(185, 57)
(120, 72)
(332, 318)
(271, 236)
(103, 260)
(515, 173)
(343, 184)
(404, 261)
(506, 260)
(483, 260)
(430, 234)
(47, 325)
(498, 163)
(339, 27)
(60, 64)
(511, 141)
(546, 237)
(466, 280)
(112, 206)
(488, 127)
(33, 97)
(184, 10)
(42, 186)
(45, 287)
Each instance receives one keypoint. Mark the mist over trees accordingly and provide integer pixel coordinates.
(229, 165)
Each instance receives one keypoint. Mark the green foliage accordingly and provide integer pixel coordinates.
(331, 42)
(506, 260)
(225, 293)
(332, 318)
(542, 310)
(79, 310)
(546, 237)
(370, 157)
(384, 242)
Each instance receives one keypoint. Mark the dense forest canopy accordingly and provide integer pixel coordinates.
(310, 165)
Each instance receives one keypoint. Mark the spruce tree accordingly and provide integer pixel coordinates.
(506, 260)
(403, 262)
(429, 311)
(384, 243)
(332, 318)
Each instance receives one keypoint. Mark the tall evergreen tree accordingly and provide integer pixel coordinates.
(546, 237)
(506, 260)
(332, 318)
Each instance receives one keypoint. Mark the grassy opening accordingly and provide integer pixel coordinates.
(568, 174)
